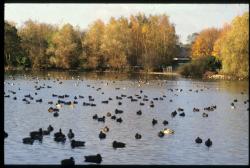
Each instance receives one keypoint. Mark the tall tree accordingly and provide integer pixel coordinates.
(35, 41)
(91, 43)
(66, 47)
(234, 50)
(116, 41)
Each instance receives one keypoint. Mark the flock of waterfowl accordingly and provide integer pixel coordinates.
(141, 98)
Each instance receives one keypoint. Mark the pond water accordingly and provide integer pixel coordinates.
(227, 128)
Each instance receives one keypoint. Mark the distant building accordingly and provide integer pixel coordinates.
(183, 56)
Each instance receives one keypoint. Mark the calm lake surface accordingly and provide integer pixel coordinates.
(226, 127)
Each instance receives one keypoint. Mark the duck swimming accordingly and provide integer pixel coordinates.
(28, 140)
(139, 112)
(198, 140)
(118, 144)
(105, 129)
(173, 114)
(93, 158)
(5, 134)
(70, 134)
(204, 115)
(102, 135)
(68, 162)
(208, 142)
(137, 136)
(165, 122)
(161, 134)
(154, 121)
(168, 131)
(75, 144)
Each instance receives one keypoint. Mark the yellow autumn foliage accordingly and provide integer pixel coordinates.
(204, 43)
(234, 48)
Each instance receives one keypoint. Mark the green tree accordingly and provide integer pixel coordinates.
(13, 52)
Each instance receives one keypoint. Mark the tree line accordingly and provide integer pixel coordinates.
(149, 42)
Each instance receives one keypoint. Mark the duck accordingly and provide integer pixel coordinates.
(198, 140)
(208, 142)
(75, 143)
(95, 117)
(28, 140)
(160, 134)
(50, 128)
(57, 134)
(61, 138)
(102, 135)
(105, 102)
(58, 105)
(101, 119)
(165, 122)
(118, 111)
(154, 121)
(93, 158)
(139, 112)
(105, 129)
(137, 136)
(39, 100)
(182, 114)
(37, 135)
(119, 103)
(50, 102)
(196, 109)
(232, 106)
(204, 115)
(142, 104)
(118, 144)
(173, 114)
(68, 162)
(180, 109)
(119, 120)
(51, 109)
(46, 132)
(70, 134)
(5, 134)
(56, 114)
(113, 117)
(168, 131)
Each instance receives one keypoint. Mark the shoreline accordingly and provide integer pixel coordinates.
(174, 73)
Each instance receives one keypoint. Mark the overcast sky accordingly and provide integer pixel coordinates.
(188, 18)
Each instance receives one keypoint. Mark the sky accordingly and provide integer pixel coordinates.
(187, 18)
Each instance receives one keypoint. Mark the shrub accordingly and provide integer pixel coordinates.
(198, 67)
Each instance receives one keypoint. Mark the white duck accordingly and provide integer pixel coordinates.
(168, 131)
